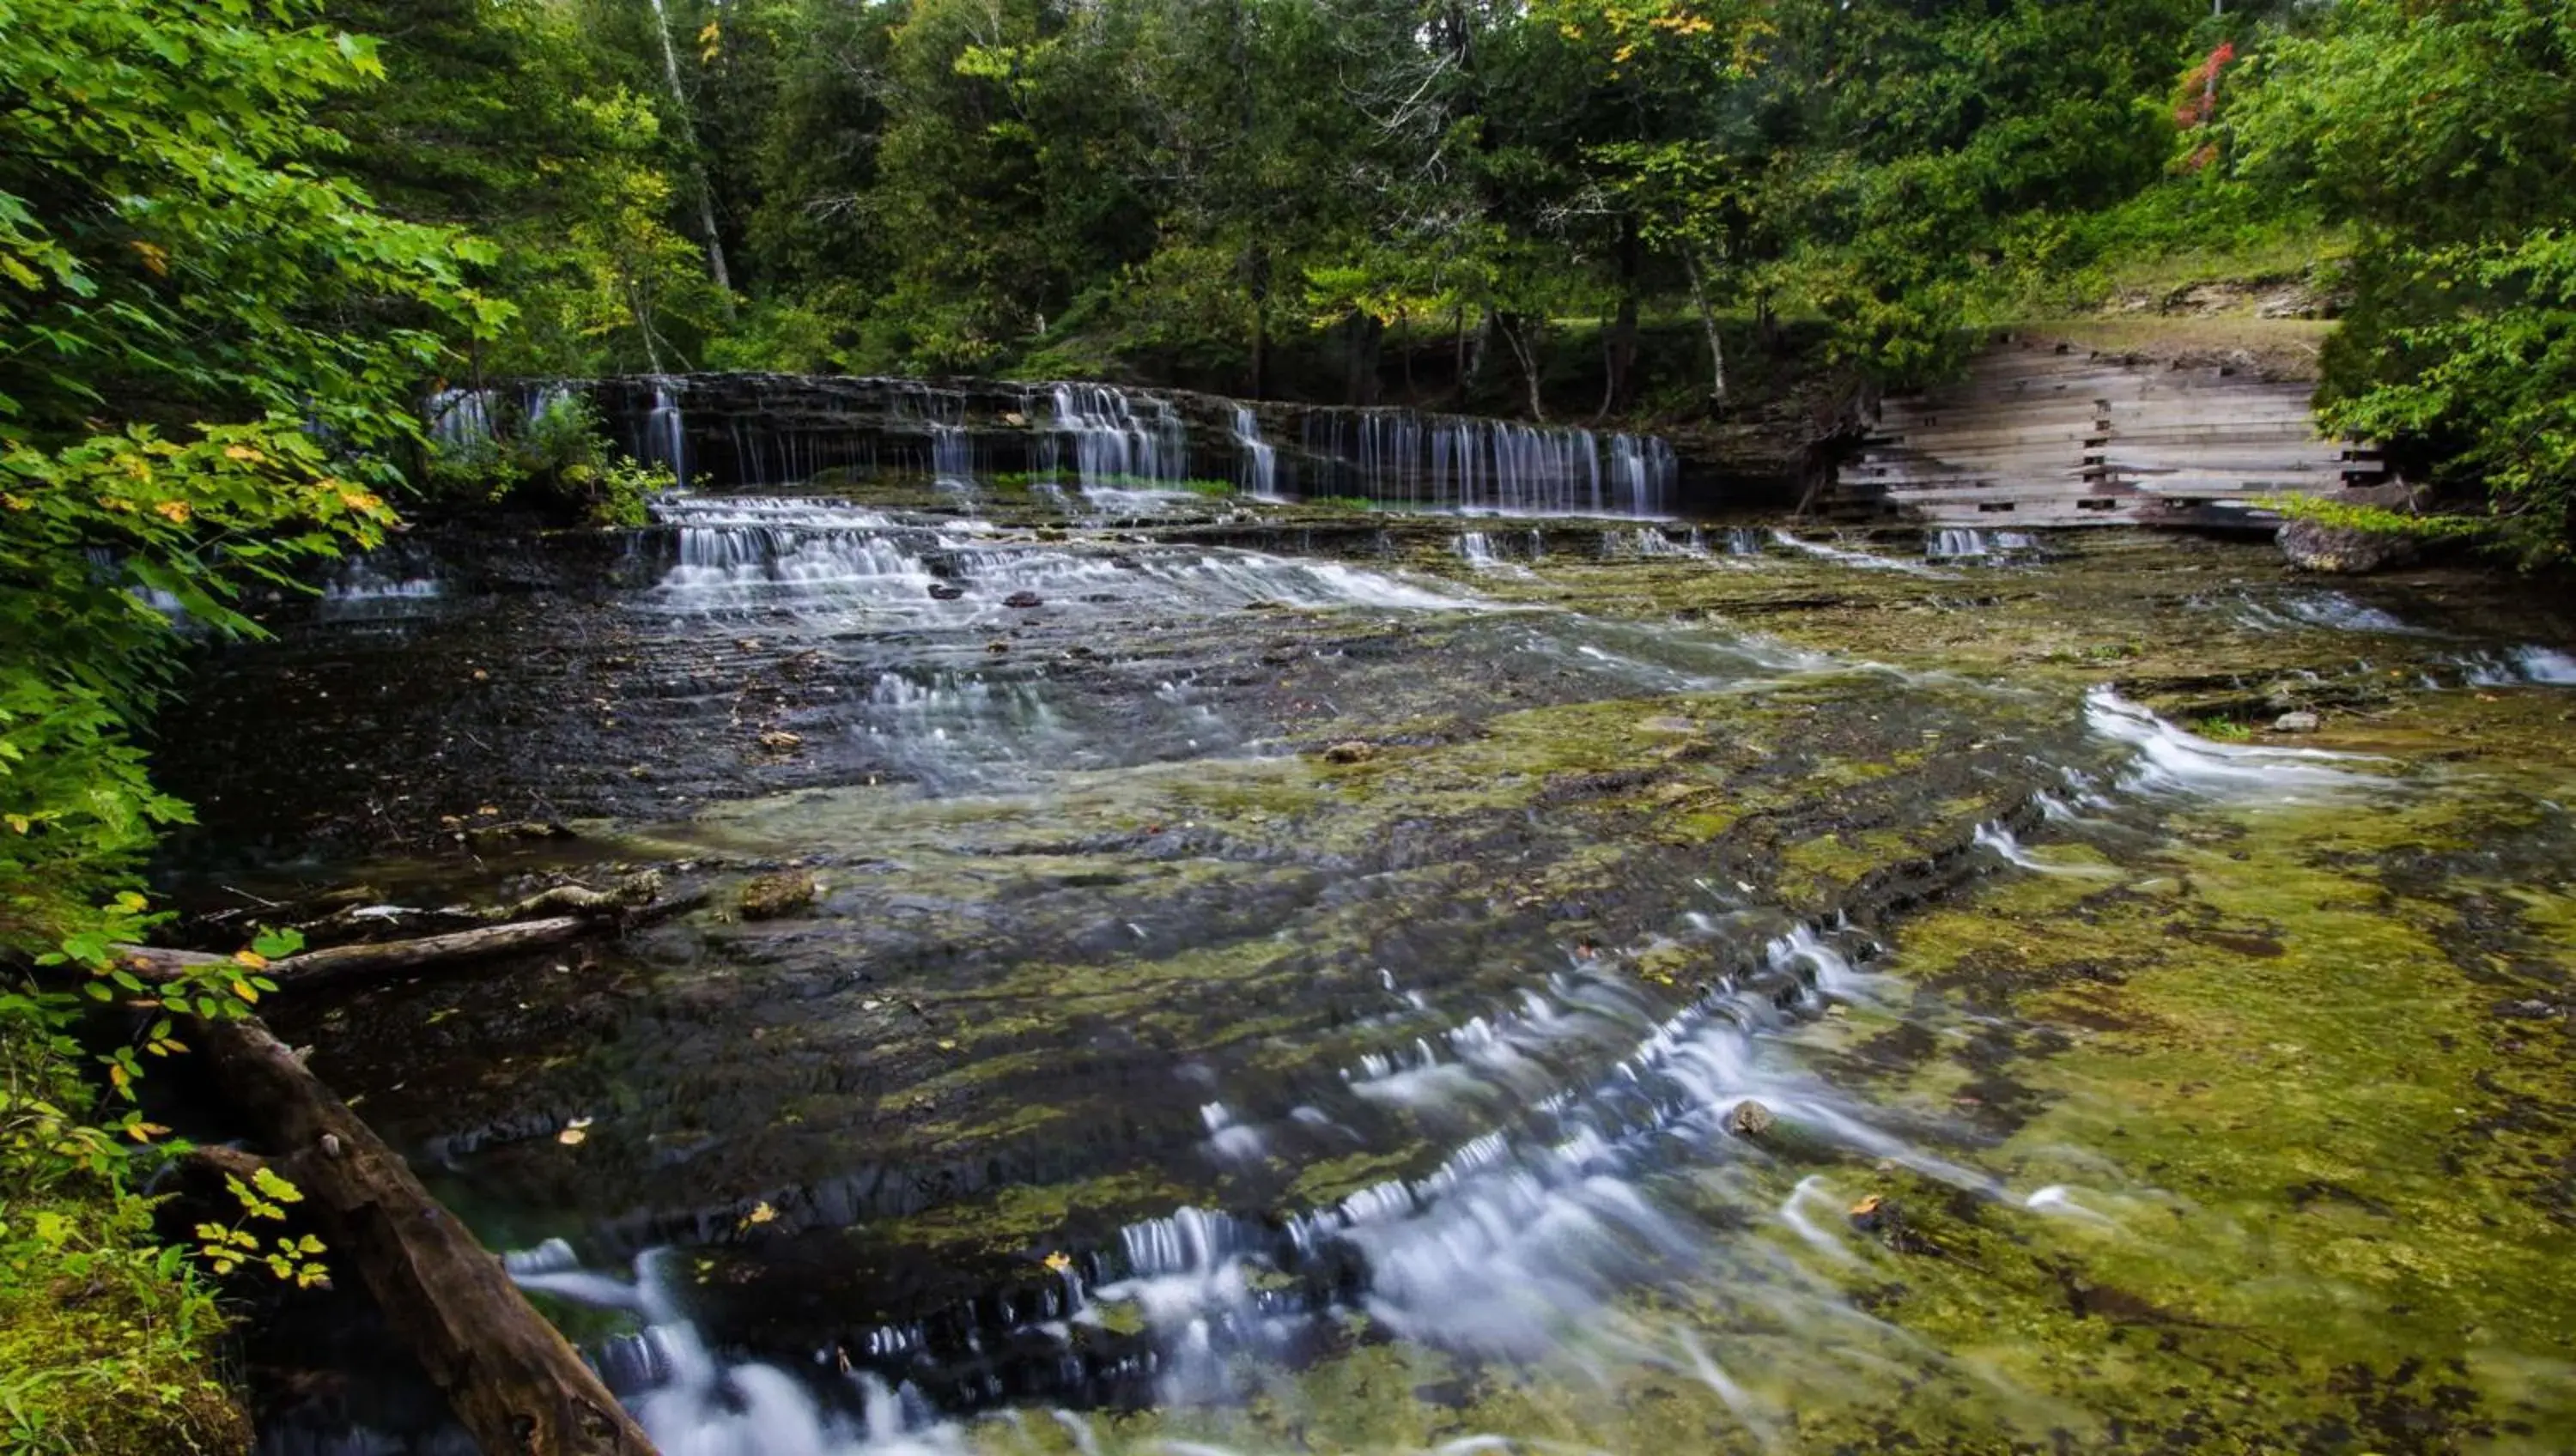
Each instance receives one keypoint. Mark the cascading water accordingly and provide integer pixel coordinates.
(665, 442)
(459, 418)
(1454, 463)
(1260, 460)
(1121, 441)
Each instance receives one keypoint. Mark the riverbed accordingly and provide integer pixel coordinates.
(1311, 979)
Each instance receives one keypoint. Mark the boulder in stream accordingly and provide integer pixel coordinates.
(784, 893)
(2341, 550)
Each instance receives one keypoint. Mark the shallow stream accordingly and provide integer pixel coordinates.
(1286, 980)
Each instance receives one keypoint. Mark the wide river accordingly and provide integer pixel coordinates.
(1306, 980)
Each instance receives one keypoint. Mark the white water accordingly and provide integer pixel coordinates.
(1260, 459)
(1953, 544)
(459, 418)
(666, 436)
(1842, 557)
(1515, 1245)
(818, 556)
(1120, 439)
(1457, 463)
(2544, 665)
(2169, 760)
(2332, 610)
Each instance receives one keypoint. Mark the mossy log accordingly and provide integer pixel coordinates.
(513, 1382)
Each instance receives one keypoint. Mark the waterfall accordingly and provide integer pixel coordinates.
(1260, 460)
(1954, 542)
(1454, 463)
(666, 440)
(459, 418)
(1120, 441)
(952, 459)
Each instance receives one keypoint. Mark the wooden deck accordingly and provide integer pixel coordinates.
(2042, 434)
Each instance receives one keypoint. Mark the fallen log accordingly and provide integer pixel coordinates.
(513, 1382)
(342, 962)
(347, 962)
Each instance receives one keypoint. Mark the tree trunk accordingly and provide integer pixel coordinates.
(1526, 351)
(1619, 346)
(697, 164)
(1404, 352)
(1707, 321)
(1363, 334)
(513, 1382)
(1256, 276)
(1479, 346)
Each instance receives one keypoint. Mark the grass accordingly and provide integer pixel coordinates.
(2284, 348)
(109, 1343)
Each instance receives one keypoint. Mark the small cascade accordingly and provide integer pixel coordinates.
(1477, 550)
(2541, 665)
(1839, 556)
(1960, 544)
(1259, 459)
(1121, 442)
(1515, 1245)
(952, 458)
(388, 582)
(1455, 463)
(1647, 543)
(460, 418)
(666, 438)
(2171, 761)
(744, 542)
(1642, 470)
(1743, 541)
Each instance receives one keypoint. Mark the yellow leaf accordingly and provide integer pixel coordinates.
(176, 511)
(154, 256)
(19, 822)
(1059, 1261)
(359, 500)
(760, 1213)
(243, 989)
(251, 959)
(244, 453)
(117, 1075)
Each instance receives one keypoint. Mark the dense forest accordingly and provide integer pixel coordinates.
(241, 239)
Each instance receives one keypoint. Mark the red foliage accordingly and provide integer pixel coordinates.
(2202, 79)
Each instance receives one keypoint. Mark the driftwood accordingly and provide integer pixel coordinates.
(350, 962)
(513, 1382)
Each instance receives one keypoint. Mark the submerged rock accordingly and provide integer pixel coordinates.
(784, 893)
(2315, 546)
(1750, 1119)
(1023, 599)
(2296, 723)
(946, 591)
